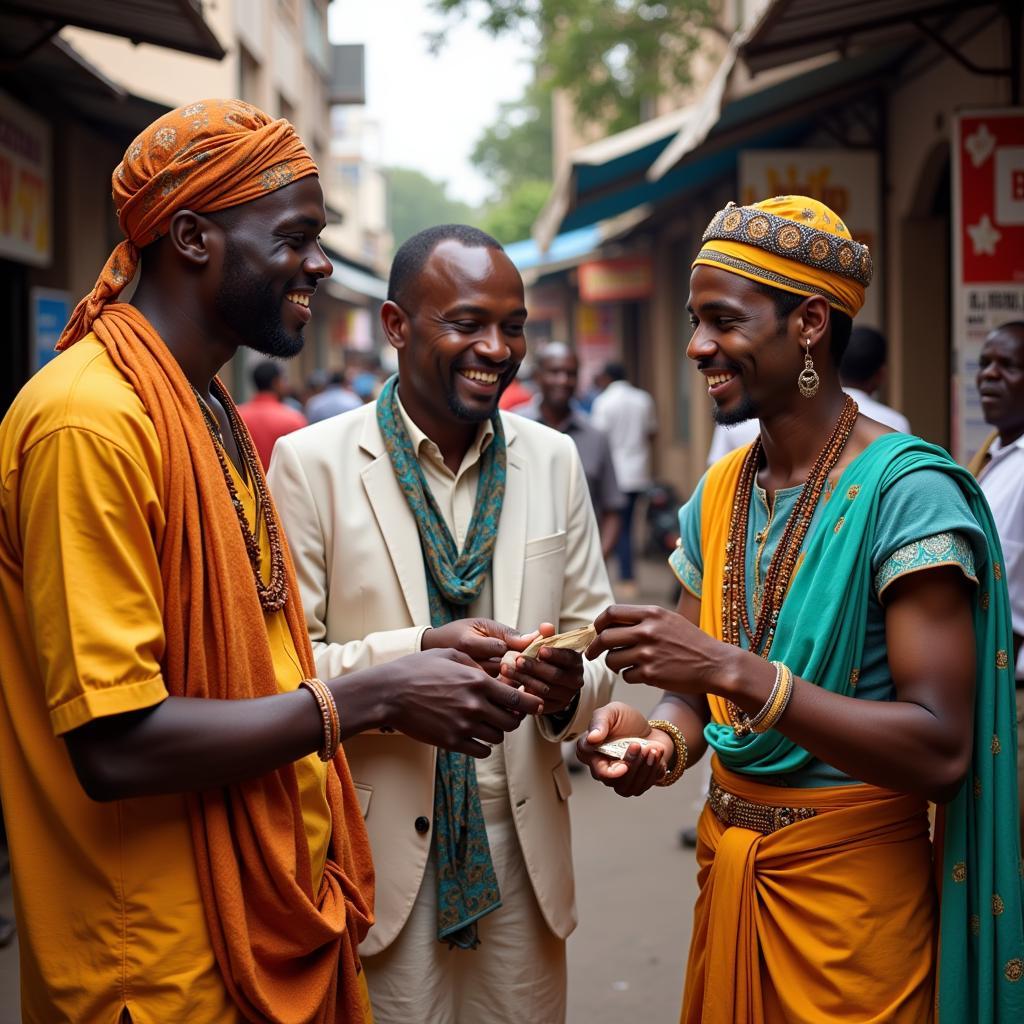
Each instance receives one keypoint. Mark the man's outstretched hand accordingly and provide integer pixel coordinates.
(484, 640)
(642, 767)
(443, 698)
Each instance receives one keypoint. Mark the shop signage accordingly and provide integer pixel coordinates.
(598, 330)
(988, 251)
(844, 180)
(626, 279)
(49, 311)
(26, 233)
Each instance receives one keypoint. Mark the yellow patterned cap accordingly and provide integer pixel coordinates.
(790, 242)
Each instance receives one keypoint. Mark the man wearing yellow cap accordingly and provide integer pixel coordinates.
(186, 842)
(841, 646)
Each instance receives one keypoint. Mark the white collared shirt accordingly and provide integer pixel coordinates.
(455, 494)
(1002, 480)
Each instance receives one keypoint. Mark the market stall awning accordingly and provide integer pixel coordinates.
(76, 84)
(352, 283)
(176, 24)
(734, 113)
(790, 30)
(604, 164)
(573, 247)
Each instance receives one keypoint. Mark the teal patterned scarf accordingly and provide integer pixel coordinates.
(467, 887)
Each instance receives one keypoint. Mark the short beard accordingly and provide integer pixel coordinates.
(248, 306)
(743, 412)
(467, 415)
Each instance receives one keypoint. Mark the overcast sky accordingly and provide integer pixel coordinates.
(430, 110)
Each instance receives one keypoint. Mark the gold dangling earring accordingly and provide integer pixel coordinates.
(808, 382)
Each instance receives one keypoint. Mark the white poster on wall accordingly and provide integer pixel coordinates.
(845, 180)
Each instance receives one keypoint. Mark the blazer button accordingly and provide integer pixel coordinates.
(422, 824)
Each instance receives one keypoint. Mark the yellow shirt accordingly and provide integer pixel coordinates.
(107, 899)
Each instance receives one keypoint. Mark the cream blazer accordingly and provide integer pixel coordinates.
(361, 573)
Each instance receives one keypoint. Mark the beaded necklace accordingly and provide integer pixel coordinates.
(783, 562)
(273, 594)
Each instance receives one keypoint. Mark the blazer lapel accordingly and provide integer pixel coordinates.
(397, 525)
(510, 547)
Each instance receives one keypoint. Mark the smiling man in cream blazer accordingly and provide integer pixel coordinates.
(355, 493)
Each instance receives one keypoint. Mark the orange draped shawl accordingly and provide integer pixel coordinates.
(287, 953)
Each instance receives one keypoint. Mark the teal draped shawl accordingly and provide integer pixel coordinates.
(820, 636)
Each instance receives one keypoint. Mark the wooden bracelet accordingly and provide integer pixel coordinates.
(682, 753)
(328, 715)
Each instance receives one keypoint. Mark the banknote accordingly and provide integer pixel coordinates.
(574, 640)
(617, 748)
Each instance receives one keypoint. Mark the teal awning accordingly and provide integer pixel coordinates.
(706, 144)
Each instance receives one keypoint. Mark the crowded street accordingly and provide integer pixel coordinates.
(512, 512)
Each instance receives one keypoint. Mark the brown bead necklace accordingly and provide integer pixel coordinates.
(784, 559)
(274, 594)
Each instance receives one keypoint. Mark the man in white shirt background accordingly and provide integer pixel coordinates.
(999, 467)
(862, 373)
(626, 416)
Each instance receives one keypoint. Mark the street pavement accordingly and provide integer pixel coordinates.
(635, 889)
(635, 884)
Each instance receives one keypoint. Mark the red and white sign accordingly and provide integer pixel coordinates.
(988, 251)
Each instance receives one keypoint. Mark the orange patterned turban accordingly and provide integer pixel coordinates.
(204, 157)
(790, 242)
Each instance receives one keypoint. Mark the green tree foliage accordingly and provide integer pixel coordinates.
(514, 154)
(511, 217)
(609, 55)
(416, 201)
(517, 147)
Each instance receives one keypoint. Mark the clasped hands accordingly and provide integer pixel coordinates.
(555, 676)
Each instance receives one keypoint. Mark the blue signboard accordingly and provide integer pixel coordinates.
(50, 310)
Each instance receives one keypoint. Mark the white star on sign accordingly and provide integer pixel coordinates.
(984, 237)
(980, 144)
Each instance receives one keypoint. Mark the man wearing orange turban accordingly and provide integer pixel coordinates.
(841, 646)
(186, 841)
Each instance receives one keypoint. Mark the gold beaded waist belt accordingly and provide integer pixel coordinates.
(764, 818)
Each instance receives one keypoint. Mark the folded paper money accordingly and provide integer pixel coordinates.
(617, 748)
(574, 640)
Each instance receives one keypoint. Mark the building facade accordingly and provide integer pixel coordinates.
(861, 115)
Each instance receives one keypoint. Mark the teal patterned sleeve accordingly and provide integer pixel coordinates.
(929, 553)
(925, 522)
(686, 562)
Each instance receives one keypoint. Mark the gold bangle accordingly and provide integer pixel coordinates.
(746, 724)
(679, 743)
(773, 706)
(780, 703)
(329, 717)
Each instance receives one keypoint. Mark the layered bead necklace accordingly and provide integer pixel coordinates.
(273, 594)
(784, 559)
